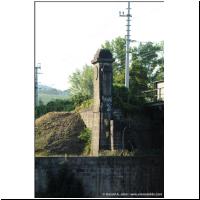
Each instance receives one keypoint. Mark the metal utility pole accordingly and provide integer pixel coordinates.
(37, 68)
(128, 40)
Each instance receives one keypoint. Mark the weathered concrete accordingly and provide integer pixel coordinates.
(102, 109)
(110, 129)
(99, 177)
(142, 130)
(87, 117)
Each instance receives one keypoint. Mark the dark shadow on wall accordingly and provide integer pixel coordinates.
(61, 184)
(94, 177)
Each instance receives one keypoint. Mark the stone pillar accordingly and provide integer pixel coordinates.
(102, 109)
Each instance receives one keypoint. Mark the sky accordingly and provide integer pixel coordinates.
(68, 34)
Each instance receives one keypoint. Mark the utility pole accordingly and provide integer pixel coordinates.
(37, 68)
(128, 40)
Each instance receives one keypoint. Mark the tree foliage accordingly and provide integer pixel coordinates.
(57, 105)
(86, 137)
(81, 85)
(117, 47)
(146, 67)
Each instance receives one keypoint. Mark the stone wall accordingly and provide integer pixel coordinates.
(99, 177)
(143, 130)
(87, 117)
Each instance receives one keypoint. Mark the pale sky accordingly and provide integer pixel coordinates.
(69, 33)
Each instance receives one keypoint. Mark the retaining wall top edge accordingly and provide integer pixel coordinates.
(85, 109)
(98, 157)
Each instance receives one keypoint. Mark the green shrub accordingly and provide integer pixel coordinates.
(85, 104)
(86, 136)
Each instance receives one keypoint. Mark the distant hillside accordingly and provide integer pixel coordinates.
(47, 94)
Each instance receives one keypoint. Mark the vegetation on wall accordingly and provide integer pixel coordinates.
(86, 136)
(56, 133)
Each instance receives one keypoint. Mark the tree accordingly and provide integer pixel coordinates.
(81, 84)
(146, 67)
(56, 105)
(150, 57)
(117, 47)
(159, 74)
